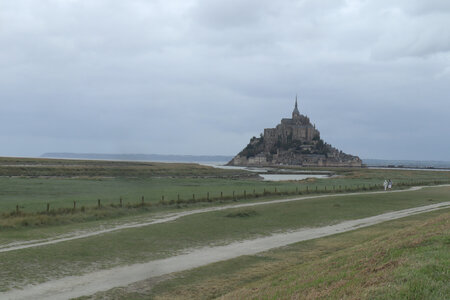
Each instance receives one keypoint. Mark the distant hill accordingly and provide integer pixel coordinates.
(407, 163)
(143, 157)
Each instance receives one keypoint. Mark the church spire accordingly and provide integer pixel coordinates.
(295, 113)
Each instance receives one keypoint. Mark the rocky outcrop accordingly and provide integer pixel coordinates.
(294, 141)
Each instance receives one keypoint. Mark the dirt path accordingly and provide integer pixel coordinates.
(88, 284)
(174, 216)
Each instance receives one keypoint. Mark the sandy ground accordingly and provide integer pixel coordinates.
(88, 284)
(171, 217)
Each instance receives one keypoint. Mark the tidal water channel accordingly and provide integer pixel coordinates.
(275, 174)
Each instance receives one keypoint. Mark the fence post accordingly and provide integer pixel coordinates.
(17, 208)
(98, 203)
(221, 195)
(48, 207)
(74, 205)
(142, 200)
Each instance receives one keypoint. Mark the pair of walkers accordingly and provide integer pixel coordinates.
(387, 184)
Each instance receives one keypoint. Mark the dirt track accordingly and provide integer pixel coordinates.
(88, 284)
(171, 217)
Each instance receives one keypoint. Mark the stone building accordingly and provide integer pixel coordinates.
(299, 128)
(294, 141)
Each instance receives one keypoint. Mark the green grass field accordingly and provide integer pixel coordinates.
(30, 184)
(66, 168)
(35, 265)
(402, 259)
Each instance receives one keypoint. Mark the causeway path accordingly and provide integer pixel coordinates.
(88, 284)
(174, 216)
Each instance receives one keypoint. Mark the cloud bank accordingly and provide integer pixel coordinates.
(202, 77)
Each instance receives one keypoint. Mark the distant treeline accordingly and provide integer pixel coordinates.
(142, 157)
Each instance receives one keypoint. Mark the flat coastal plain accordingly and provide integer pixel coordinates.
(269, 235)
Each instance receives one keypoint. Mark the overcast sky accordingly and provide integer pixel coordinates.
(204, 76)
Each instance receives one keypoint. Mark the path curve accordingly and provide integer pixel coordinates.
(174, 216)
(88, 284)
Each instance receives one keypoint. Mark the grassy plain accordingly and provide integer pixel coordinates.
(66, 168)
(407, 258)
(31, 184)
(34, 265)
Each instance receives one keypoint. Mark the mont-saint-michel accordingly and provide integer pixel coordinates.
(294, 141)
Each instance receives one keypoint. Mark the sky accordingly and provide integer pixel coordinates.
(204, 76)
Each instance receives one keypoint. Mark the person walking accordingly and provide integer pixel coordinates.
(390, 184)
(385, 184)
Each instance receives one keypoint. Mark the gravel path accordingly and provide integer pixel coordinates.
(174, 216)
(88, 284)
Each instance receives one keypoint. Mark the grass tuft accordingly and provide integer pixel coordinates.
(245, 213)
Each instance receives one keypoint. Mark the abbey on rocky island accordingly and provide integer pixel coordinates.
(293, 142)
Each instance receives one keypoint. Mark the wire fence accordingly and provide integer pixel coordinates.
(184, 200)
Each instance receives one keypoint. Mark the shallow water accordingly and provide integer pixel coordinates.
(285, 177)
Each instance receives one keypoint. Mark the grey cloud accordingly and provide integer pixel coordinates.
(204, 76)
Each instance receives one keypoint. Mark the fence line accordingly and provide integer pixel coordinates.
(234, 196)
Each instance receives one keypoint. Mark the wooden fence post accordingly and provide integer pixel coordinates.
(98, 203)
(142, 200)
(48, 207)
(74, 205)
